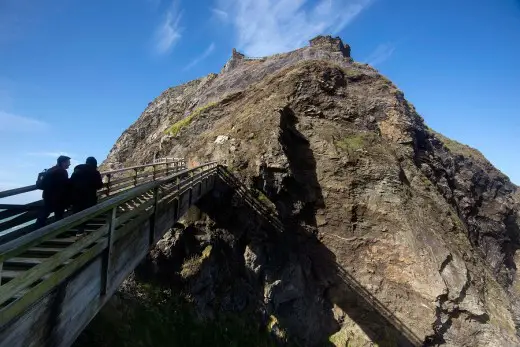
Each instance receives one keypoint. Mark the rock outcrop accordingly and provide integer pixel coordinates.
(392, 233)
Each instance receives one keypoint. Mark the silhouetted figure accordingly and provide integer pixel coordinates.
(55, 191)
(84, 183)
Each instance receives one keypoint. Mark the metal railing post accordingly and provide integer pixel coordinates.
(135, 178)
(111, 218)
(153, 173)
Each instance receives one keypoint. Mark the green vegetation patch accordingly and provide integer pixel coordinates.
(164, 318)
(191, 266)
(357, 141)
(177, 127)
(265, 200)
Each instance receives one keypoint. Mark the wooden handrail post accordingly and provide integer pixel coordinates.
(167, 167)
(153, 217)
(153, 172)
(109, 176)
(111, 218)
(135, 178)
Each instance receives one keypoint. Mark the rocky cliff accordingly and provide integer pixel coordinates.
(391, 233)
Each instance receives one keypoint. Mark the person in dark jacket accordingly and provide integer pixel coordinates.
(55, 195)
(84, 183)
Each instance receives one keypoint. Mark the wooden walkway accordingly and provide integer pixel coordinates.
(54, 280)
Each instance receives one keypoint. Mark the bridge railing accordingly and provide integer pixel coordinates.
(21, 217)
(22, 291)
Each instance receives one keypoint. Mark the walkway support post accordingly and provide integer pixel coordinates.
(111, 220)
(154, 216)
(109, 176)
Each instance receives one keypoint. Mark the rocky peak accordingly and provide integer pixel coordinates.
(419, 222)
(332, 44)
(234, 61)
(319, 47)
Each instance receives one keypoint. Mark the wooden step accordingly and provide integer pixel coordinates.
(8, 275)
(66, 241)
(93, 224)
(26, 262)
(45, 251)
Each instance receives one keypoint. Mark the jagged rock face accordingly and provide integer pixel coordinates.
(425, 228)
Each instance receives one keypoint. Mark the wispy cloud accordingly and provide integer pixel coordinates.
(270, 26)
(380, 54)
(169, 32)
(11, 123)
(201, 57)
(222, 15)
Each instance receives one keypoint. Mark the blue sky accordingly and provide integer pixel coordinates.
(75, 74)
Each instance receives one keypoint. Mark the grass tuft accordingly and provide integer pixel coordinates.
(175, 129)
(356, 142)
(191, 266)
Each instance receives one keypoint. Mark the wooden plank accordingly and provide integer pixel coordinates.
(34, 294)
(38, 271)
(20, 261)
(128, 252)
(130, 168)
(120, 180)
(153, 217)
(116, 188)
(21, 219)
(132, 224)
(43, 250)
(18, 208)
(11, 192)
(108, 252)
(10, 274)
(64, 241)
(128, 215)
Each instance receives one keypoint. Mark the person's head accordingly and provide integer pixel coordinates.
(64, 161)
(91, 161)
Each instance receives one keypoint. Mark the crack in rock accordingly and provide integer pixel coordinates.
(448, 309)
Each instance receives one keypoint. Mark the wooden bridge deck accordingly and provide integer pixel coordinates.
(53, 280)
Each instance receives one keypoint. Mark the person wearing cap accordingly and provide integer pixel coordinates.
(54, 186)
(84, 183)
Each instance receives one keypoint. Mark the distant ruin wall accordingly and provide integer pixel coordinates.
(333, 44)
